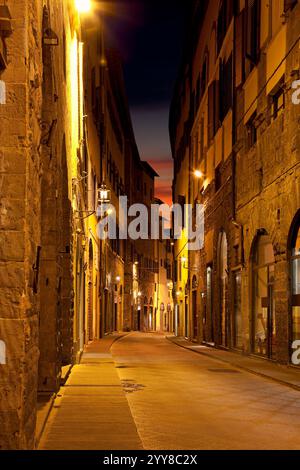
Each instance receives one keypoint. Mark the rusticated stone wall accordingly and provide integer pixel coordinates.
(35, 230)
(268, 190)
(19, 225)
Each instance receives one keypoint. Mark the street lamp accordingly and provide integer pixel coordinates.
(83, 6)
(198, 174)
(103, 194)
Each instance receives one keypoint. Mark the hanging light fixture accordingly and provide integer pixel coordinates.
(83, 6)
(103, 194)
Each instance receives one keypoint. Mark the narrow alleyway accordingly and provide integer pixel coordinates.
(177, 400)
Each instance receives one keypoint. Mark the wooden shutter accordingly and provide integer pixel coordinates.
(217, 114)
(239, 49)
(211, 108)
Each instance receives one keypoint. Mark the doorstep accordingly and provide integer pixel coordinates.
(283, 374)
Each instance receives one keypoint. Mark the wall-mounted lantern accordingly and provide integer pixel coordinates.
(50, 38)
(103, 194)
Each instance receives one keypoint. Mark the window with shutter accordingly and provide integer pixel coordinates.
(252, 34)
(239, 49)
(211, 108)
(217, 117)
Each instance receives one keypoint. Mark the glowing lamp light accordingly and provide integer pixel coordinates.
(139, 294)
(198, 174)
(118, 278)
(103, 194)
(83, 6)
(183, 259)
(178, 293)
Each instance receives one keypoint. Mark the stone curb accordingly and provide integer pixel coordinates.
(54, 395)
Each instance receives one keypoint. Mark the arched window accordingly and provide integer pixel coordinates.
(263, 271)
(204, 73)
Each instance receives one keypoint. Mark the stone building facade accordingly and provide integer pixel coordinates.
(235, 139)
(37, 145)
(267, 180)
(65, 134)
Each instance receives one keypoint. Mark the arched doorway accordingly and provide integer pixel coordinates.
(207, 308)
(145, 317)
(151, 325)
(294, 250)
(194, 307)
(263, 276)
(90, 293)
(223, 279)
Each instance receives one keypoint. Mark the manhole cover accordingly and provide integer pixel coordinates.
(226, 371)
(130, 386)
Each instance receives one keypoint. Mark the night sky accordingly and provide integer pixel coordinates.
(149, 36)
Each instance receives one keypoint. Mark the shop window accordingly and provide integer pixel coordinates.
(238, 327)
(295, 271)
(264, 324)
(223, 274)
(208, 314)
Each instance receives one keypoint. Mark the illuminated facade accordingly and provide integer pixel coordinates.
(235, 143)
(41, 148)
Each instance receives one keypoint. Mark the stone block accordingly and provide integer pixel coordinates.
(12, 161)
(10, 302)
(12, 186)
(9, 430)
(15, 106)
(12, 274)
(12, 214)
(12, 246)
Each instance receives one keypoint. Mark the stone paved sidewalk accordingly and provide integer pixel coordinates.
(289, 376)
(91, 411)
